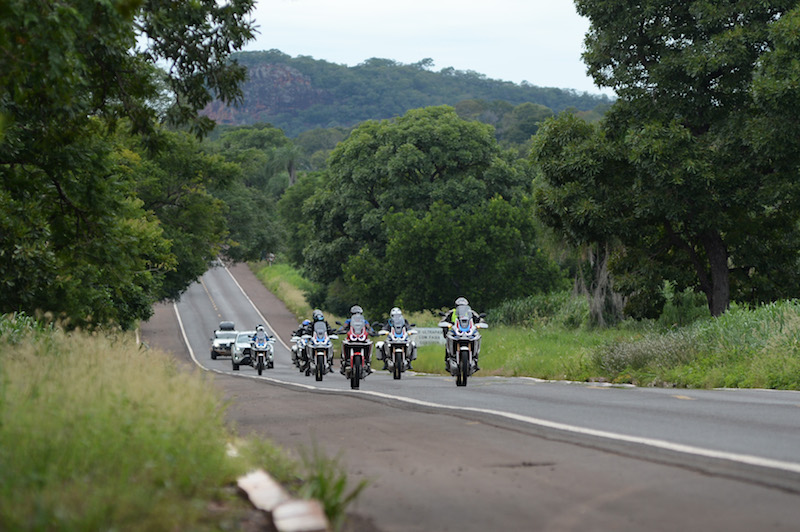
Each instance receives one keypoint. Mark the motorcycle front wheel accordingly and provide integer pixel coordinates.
(260, 365)
(320, 367)
(463, 368)
(355, 373)
(398, 365)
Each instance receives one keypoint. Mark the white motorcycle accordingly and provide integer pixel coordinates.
(319, 345)
(299, 357)
(463, 344)
(262, 353)
(397, 349)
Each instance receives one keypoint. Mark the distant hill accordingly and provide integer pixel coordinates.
(302, 93)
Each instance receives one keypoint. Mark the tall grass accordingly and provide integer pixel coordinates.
(287, 284)
(556, 308)
(327, 482)
(742, 348)
(96, 433)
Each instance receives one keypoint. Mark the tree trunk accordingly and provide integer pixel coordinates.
(720, 291)
(292, 173)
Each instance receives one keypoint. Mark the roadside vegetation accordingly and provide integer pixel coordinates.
(551, 337)
(99, 433)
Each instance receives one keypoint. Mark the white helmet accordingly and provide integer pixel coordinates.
(462, 301)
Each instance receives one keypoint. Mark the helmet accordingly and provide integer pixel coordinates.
(306, 322)
(260, 328)
(355, 309)
(318, 316)
(462, 301)
(395, 312)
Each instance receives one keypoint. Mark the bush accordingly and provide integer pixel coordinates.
(742, 348)
(682, 308)
(653, 350)
(560, 308)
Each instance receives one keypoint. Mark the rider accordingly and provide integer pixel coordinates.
(260, 334)
(304, 328)
(396, 319)
(355, 310)
(461, 304)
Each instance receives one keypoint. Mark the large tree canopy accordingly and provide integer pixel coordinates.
(74, 237)
(685, 146)
(397, 188)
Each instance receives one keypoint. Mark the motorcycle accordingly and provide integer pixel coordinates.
(320, 346)
(464, 340)
(299, 356)
(356, 350)
(262, 355)
(396, 349)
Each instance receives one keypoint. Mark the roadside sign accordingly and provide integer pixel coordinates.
(429, 335)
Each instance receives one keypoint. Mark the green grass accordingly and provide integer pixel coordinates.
(98, 433)
(550, 352)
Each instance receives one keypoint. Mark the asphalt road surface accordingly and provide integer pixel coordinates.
(504, 453)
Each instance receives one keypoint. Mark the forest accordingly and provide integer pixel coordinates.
(118, 190)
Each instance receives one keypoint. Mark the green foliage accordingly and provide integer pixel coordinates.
(695, 166)
(530, 311)
(173, 185)
(681, 308)
(326, 480)
(75, 238)
(464, 253)
(294, 219)
(265, 160)
(420, 210)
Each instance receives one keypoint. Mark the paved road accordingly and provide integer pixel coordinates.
(515, 454)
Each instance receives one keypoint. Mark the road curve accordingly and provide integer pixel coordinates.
(515, 454)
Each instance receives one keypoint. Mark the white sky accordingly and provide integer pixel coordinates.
(538, 41)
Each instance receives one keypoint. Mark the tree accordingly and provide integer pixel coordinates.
(464, 252)
(402, 168)
(173, 184)
(523, 122)
(70, 72)
(251, 195)
(683, 146)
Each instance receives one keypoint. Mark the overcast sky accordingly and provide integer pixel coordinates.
(537, 41)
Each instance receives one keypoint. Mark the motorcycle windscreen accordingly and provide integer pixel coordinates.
(320, 330)
(464, 317)
(358, 324)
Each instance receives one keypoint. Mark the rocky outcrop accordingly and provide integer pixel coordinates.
(270, 89)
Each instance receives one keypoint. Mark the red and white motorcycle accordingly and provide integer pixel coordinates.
(356, 350)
